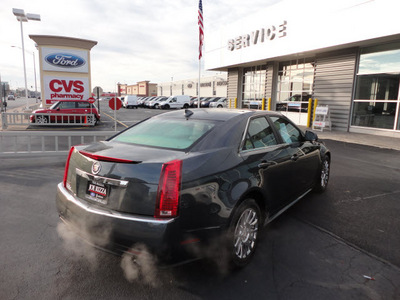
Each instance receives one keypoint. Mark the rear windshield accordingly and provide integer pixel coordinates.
(166, 133)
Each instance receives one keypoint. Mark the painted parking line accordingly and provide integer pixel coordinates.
(119, 122)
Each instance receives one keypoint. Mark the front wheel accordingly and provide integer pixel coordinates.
(41, 120)
(323, 178)
(243, 233)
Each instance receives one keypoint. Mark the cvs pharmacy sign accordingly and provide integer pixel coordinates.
(65, 88)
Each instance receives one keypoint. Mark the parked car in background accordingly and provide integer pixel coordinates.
(65, 112)
(220, 103)
(180, 182)
(207, 102)
(296, 103)
(10, 97)
(130, 101)
(179, 101)
(156, 102)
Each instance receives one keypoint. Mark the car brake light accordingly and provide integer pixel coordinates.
(67, 166)
(168, 190)
(106, 158)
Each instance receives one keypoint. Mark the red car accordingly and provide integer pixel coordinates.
(63, 112)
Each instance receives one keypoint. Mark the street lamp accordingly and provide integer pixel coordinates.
(22, 17)
(34, 69)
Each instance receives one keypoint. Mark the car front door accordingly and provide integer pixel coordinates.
(268, 162)
(304, 156)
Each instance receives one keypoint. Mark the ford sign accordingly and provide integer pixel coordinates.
(64, 60)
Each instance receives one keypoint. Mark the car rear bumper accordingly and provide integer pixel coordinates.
(120, 232)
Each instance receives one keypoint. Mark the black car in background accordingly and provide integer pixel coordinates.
(180, 181)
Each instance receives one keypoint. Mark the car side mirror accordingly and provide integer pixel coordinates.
(58, 109)
(311, 136)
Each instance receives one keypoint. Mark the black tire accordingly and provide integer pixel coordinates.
(185, 106)
(166, 106)
(323, 176)
(243, 233)
(219, 106)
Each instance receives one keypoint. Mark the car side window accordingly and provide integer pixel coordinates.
(288, 132)
(67, 105)
(83, 105)
(259, 134)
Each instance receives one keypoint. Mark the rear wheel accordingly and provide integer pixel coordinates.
(323, 178)
(243, 233)
(186, 106)
(166, 106)
(92, 120)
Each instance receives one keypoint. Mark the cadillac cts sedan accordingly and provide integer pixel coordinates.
(181, 181)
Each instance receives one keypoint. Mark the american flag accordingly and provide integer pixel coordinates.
(201, 29)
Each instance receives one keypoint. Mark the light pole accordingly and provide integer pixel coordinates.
(22, 17)
(34, 68)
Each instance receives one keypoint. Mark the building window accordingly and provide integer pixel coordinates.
(376, 99)
(295, 85)
(253, 86)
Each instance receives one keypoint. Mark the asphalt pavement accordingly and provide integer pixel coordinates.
(342, 244)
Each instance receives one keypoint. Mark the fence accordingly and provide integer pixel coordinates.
(46, 119)
(29, 143)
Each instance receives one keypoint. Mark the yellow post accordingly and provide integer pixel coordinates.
(235, 102)
(263, 104)
(269, 103)
(315, 107)
(309, 112)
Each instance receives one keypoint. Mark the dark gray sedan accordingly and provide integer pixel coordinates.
(181, 181)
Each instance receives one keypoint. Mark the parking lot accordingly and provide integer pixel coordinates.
(342, 244)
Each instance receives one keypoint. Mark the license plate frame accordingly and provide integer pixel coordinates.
(97, 192)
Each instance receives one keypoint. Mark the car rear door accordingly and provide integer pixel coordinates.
(83, 108)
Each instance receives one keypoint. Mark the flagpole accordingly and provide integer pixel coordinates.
(198, 98)
(201, 37)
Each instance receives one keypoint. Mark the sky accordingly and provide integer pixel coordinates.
(153, 40)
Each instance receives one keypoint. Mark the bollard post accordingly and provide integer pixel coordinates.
(315, 107)
(309, 115)
(263, 104)
(269, 103)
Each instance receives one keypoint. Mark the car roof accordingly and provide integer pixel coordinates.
(223, 114)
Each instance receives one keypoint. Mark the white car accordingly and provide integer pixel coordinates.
(220, 103)
(130, 101)
(179, 101)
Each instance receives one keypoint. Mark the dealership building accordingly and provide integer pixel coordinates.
(346, 54)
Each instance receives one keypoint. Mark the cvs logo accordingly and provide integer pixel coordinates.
(57, 86)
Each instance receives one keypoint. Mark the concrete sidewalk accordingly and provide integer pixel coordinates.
(359, 138)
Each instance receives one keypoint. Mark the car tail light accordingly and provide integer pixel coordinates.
(168, 190)
(67, 166)
(106, 158)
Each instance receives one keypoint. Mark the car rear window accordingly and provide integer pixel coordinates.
(166, 133)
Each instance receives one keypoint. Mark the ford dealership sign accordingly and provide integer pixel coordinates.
(65, 60)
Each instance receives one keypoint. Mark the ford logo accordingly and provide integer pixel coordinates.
(65, 60)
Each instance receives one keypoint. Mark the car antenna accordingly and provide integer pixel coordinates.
(188, 113)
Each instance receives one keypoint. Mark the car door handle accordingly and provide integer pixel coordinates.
(265, 164)
(294, 157)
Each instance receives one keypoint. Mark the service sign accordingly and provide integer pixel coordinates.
(65, 60)
(65, 88)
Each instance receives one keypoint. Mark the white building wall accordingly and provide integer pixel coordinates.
(211, 86)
